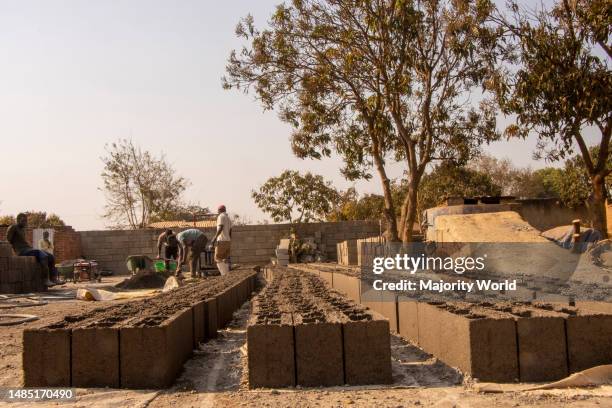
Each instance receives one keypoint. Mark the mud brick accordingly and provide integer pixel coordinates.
(318, 352)
(5, 249)
(95, 357)
(408, 319)
(199, 323)
(542, 350)
(328, 277)
(271, 356)
(348, 285)
(589, 340)
(27, 287)
(388, 308)
(3, 268)
(225, 307)
(210, 312)
(483, 347)
(46, 358)
(7, 288)
(367, 351)
(16, 267)
(152, 357)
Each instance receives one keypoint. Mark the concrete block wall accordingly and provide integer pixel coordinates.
(66, 240)
(251, 244)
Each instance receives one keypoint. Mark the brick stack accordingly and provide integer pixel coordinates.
(18, 274)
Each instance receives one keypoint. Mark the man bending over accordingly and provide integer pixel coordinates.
(195, 240)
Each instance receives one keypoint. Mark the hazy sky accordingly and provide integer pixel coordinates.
(75, 75)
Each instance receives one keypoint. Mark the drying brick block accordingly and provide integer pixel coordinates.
(589, 341)
(210, 311)
(348, 285)
(225, 307)
(542, 351)
(408, 319)
(367, 351)
(199, 323)
(327, 277)
(271, 359)
(46, 358)
(95, 357)
(318, 353)
(484, 348)
(152, 357)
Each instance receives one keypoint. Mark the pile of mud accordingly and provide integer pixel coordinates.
(152, 281)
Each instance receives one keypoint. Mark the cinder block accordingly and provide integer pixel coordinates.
(46, 358)
(318, 353)
(210, 311)
(408, 319)
(541, 346)
(95, 357)
(199, 323)
(482, 347)
(367, 351)
(152, 357)
(350, 286)
(271, 359)
(589, 341)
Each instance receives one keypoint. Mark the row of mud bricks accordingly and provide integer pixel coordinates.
(138, 353)
(19, 274)
(499, 342)
(302, 333)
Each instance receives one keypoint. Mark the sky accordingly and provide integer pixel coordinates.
(76, 75)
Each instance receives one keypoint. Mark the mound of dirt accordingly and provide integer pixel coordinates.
(151, 281)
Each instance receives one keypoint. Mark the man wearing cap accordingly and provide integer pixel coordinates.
(223, 240)
(196, 241)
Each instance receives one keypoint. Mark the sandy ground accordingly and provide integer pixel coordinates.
(216, 376)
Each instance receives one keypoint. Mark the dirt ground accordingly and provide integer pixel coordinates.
(216, 376)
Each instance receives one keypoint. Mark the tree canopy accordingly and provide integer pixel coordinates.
(373, 82)
(555, 78)
(138, 186)
(293, 197)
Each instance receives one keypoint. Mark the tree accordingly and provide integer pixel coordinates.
(352, 207)
(138, 186)
(36, 219)
(558, 84)
(373, 80)
(446, 180)
(311, 65)
(296, 198)
(181, 212)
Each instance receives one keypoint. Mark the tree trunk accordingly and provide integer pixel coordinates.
(598, 205)
(409, 209)
(389, 210)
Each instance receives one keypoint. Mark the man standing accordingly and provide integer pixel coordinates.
(171, 250)
(223, 239)
(45, 243)
(196, 241)
(16, 235)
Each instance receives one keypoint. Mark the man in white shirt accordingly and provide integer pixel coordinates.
(223, 240)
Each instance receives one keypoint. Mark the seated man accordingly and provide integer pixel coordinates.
(196, 240)
(16, 235)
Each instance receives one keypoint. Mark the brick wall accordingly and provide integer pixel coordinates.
(66, 240)
(250, 243)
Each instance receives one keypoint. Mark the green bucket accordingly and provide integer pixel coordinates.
(160, 266)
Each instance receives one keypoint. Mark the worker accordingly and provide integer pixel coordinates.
(196, 241)
(45, 243)
(167, 239)
(223, 240)
(16, 235)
